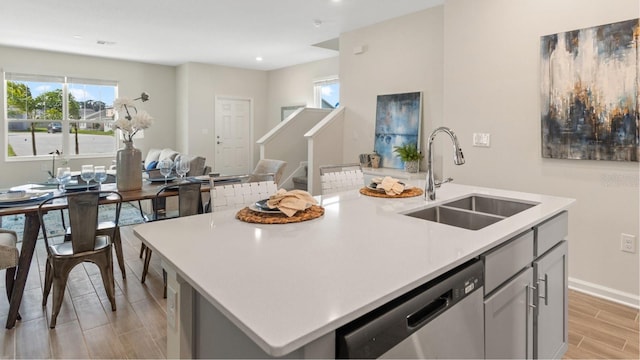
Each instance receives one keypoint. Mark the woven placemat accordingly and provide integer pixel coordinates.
(411, 192)
(251, 216)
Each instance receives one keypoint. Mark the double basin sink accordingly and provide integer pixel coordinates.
(473, 212)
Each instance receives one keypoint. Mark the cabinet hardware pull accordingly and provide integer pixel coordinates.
(546, 289)
(530, 288)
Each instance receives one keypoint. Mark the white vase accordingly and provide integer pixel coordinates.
(412, 166)
(129, 168)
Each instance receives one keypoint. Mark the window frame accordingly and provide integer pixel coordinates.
(66, 121)
(317, 89)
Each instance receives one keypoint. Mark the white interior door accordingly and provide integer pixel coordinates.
(233, 136)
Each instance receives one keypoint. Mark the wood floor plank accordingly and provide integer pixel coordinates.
(32, 340)
(607, 351)
(153, 317)
(90, 312)
(7, 339)
(575, 339)
(583, 327)
(618, 320)
(140, 344)
(124, 319)
(609, 306)
(104, 343)
(575, 352)
(67, 341)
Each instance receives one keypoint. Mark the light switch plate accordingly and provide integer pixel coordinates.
(482, 139)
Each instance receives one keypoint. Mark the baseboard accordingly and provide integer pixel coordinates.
(604, 292)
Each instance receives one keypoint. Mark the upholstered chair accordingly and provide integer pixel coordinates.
(268, 169)
(9, 257)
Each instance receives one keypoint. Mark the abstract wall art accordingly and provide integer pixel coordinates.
(398, 119)
(589, 93)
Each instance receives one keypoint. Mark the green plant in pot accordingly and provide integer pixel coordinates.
(410, 155)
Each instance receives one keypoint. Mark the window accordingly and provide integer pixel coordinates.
(327, 93)
(49, 114)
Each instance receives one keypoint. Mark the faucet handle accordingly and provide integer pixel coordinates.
(438, 183)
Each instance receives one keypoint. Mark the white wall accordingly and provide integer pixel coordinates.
(292, 86)
(199, 86)
(477, 63)
(492, 79)
(400, 55)
(132, 77)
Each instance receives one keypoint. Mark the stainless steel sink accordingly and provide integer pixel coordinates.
(458, 218)
(490, 205)
(473, 212)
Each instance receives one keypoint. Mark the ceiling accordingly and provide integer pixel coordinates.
(173, 32)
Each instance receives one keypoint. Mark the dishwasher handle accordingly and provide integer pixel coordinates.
(429, 311)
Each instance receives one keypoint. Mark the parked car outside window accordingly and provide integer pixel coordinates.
(54, 127)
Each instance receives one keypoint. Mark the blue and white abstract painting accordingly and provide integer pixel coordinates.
(398, 118)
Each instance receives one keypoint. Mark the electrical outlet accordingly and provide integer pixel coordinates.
(481, 139)
(627, 243)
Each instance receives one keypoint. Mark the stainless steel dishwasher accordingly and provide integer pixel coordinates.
(440, 319)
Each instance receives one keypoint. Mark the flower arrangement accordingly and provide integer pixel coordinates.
(130, 124)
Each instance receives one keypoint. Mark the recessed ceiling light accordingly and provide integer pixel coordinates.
(77, 36)
(317, 22)
(258, 58)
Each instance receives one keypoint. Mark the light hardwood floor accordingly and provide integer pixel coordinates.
(87, 328)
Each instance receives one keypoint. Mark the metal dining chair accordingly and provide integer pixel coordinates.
(86, 244)
(336, 178)
(189, 203)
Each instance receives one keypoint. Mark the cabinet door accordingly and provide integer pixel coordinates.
(508, 319)
(550, 327)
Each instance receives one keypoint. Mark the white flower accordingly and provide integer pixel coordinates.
(141, 120)
(130, 120)
(120, 103)
(123, 124)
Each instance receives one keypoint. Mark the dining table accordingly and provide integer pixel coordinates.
(32, 224)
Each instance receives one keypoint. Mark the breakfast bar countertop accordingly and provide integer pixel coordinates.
(287, 285)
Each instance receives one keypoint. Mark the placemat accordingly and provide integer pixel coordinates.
(251, 216)
(411, 192)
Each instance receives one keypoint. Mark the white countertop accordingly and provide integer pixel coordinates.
(287, 285)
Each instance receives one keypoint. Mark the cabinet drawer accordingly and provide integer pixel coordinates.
(551, 232)
(507, 260)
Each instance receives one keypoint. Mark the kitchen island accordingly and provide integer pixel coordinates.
(238, 289)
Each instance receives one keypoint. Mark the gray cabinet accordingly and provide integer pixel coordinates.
(551, 312)
(508, 319)
(526, 304)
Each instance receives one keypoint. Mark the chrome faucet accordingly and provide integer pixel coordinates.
(458, 159)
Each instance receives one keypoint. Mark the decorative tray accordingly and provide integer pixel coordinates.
(410, 192)
(252, 216)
